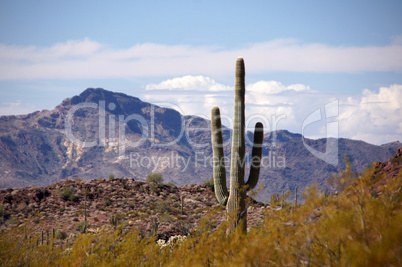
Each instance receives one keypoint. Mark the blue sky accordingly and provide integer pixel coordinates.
(299, 55)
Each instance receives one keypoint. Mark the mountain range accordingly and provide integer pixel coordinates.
(100, 132)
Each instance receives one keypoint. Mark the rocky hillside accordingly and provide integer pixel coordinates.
(99, 132)
(357, 227)
(385, 171)
(147, 207)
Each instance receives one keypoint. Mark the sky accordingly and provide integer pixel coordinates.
(300, 57)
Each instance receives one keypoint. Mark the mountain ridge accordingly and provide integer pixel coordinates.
(35, 148)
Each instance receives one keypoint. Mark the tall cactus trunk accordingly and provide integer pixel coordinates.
(235, 201)
(236, 205)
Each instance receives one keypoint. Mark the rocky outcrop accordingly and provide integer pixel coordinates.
(384, 171)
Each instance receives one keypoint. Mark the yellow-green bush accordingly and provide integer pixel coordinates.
(353, 228)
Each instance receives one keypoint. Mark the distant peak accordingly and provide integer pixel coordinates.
(95, 91)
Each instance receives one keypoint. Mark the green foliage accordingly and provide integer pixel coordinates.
(61, 235)
(116, 219)
(67, 194)
(13, 221)
(352, 228)
(107, 202)
(166, 218)
(162, 206)
(171, 184)
(111, 176)
(83, 227)
(155, 178)
(124, 182)
(275, 200)
(344, 178)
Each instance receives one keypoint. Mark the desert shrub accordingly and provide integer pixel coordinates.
(67, 194)
(344, 178)
(171, 184)
(161, 206)
(350, 229)
(61, 235)
(83, 227)
(155, 178)
(124, 182)
(107, 202)
(275, 200)
(154, 188)
(166, 218)
(183, 227)
(116, 219)
(111, 176)
(13, 221)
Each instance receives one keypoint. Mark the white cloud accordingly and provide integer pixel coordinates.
(371, 116)
(277, 105)
(189, 82)
(90, 59)
(194, 95)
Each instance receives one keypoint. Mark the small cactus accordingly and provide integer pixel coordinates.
(181, 204)
(114, 221)
(235, 200)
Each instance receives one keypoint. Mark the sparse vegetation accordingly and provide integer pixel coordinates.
(162, 206)
(357, 227)
(61, 235)
(83, 227)
(344, 178)
(67, 194)
(365, 231)
(107, 202)
(155, 178)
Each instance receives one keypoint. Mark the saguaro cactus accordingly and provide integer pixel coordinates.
(235, 200)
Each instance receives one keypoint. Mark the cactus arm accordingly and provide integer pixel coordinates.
(256, 156)
(221, 191)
